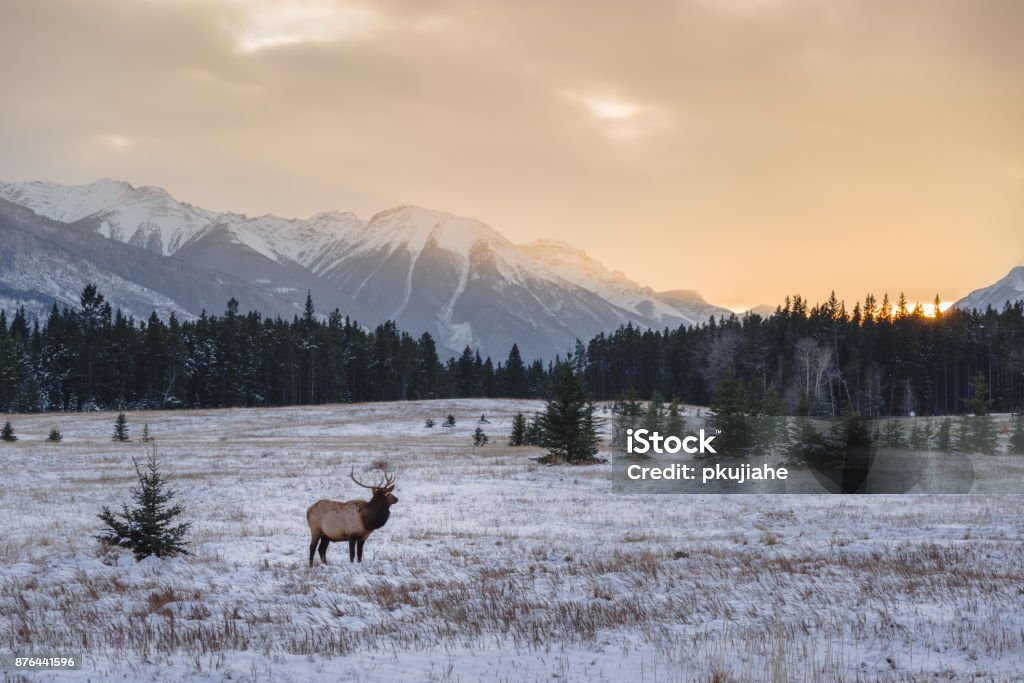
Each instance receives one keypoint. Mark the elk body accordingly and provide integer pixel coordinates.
(352, 521)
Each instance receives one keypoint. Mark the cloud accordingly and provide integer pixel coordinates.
(609, 109)
(677, 122)
(273, 24)
(115, 142)
(620, 118)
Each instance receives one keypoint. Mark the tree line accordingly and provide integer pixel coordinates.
(92, 357)
(878, 359)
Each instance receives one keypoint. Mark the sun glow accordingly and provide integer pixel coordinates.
(926, 309)
(929, 309)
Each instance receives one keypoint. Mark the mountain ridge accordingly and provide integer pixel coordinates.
(1007, 289)
(428, 270)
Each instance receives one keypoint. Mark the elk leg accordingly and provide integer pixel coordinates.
(312, 551)
(359, 548)
(351, 550)
(324, 542)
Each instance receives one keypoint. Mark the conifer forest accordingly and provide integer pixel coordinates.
(876, 359)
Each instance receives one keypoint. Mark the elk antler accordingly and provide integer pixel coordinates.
(352, 474)
(389, 480)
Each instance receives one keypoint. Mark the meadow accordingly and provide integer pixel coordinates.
(492, 567)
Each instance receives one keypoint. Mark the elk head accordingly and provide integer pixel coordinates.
(381, 490)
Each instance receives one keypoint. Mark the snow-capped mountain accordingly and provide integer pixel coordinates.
(149, 217)
(427, 270)
(643, 303)
(1009, 289)
(45, 262)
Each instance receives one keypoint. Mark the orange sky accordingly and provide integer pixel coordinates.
(744, 148)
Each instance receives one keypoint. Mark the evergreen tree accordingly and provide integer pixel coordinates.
(518, 436)
(978, 402)
(627, 413)
(568, 429)
(807, 444)
(429, 423)
(877, 361)
(770, 424)
(892, 434)
(7, 434)
(55, 436)
(449, 421)
(675, 423)
(729, 397)
(150, 527)
(654, 419)
(121, 428)
(535, 432)
(920, 434)
(1016, 445)
(963, 438)
(984, 434)
(479, 438)
(729, 404)
(146, 438)
(944, 436)
(771, 403)
(515, 380)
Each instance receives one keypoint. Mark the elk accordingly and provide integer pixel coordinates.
(352, 521)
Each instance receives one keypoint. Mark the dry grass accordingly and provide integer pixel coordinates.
(488, 550)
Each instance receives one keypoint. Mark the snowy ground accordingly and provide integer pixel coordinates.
(492, 567)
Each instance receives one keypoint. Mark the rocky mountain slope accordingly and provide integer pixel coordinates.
(432, 271)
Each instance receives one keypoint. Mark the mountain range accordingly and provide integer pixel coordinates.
(429, 271)
(1008, 289)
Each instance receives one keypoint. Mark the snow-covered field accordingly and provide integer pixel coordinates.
(492, 567)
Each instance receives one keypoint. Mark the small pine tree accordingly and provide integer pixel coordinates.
(483, 419)
(978, 402)
(429, 423)
(150, 527)
(568, 428)
(535, 432)
(518, 436)
(920, 435)
(729, 403)
(146, 438)
(807, 445)
(962, 442)
(770, 425)
(1016, 445)
(944, 436)
(121, 428)
(892, 433)
(7, 434)
(654, 419)
(627, 413)
(771, 403)
(449, 421)
(55, 436)
(675, 423)
(479, 438)
(984, 434)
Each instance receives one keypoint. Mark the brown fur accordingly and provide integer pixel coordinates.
(352, 521)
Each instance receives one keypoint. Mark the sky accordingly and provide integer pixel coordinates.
(748, 149)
